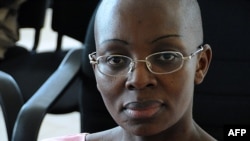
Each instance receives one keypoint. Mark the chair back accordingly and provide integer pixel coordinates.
(56, 88)
(11, 101)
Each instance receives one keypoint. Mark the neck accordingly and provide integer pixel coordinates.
(184, 130)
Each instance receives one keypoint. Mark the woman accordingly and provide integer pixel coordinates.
(148, 59)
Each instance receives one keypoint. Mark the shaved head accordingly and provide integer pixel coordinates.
(182, 13)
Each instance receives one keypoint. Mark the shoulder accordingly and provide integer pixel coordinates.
(204, 136)
(76, 137)
(113, 134)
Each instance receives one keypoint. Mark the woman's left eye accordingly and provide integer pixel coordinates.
(166, 56)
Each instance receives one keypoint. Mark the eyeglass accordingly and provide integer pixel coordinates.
(165, 62)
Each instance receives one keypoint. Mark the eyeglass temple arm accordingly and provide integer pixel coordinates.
(193, 54)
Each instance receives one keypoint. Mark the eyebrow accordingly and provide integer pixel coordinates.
(155, 40)
(165, 36)
(115, 40)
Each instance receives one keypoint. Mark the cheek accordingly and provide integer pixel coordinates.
(105, 88)
(110, 89)
(186, 90)
(107, 85)
(180, 88)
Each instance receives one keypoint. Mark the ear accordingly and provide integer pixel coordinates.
(203, 63)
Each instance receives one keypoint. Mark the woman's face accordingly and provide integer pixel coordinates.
(141, 102)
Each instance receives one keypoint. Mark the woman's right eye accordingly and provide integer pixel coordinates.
(115, 60)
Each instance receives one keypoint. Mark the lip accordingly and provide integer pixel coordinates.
(142, 110)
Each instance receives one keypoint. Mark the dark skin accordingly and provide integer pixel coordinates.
(137, 29)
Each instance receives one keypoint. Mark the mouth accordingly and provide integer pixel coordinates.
(143, 110)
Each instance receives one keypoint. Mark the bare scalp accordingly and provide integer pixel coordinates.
(187, 10)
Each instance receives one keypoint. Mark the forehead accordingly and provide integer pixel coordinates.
(130, 19)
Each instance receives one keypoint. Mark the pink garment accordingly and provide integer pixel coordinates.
(77, 137)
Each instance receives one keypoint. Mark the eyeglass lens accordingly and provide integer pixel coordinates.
(162, 62)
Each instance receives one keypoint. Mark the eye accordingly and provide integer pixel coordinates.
(116, 60)
(166, 57)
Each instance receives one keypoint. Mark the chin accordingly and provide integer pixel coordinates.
(145, 130)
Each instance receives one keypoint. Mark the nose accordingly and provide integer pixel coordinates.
(140, 77)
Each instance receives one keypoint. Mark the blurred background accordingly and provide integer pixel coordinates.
(48, 29)
(67, 123)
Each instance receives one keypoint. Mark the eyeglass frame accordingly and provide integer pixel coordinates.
(133, 62)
